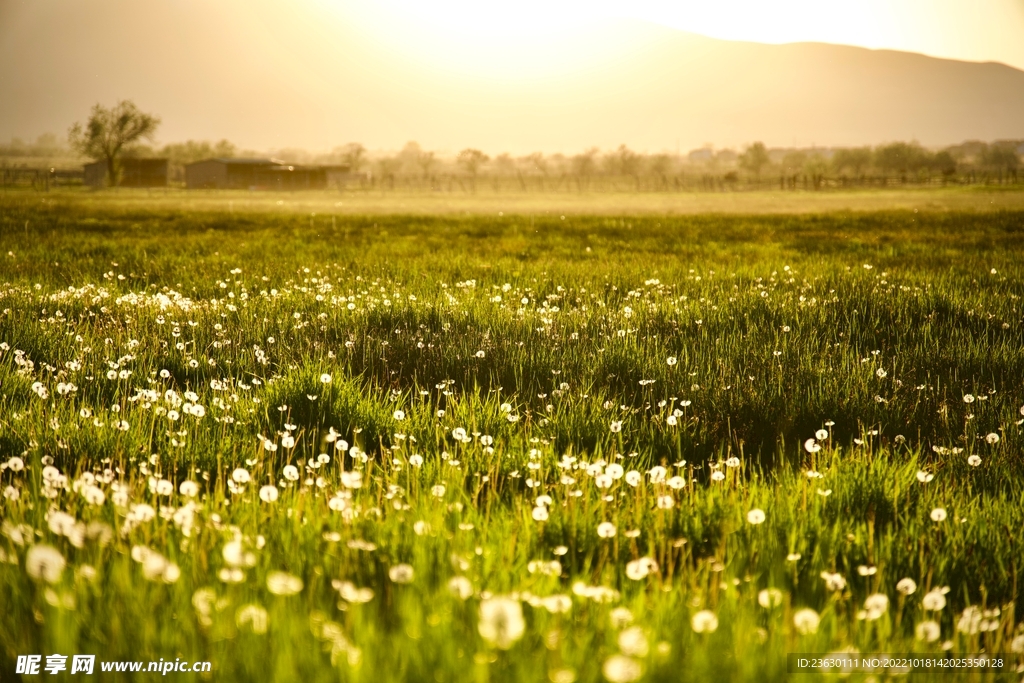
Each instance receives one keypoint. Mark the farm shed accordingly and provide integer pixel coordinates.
(291, 177)
(226, 173)
(134, 173)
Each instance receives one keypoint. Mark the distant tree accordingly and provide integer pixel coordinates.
(944, 163)
(755, 158)
(1001, 158)
(471, 160)
(46, 145)
(506, 165)
(794, 162)
(856, 160)
(426, 161)
(816, 164)
(192, 150)
(902, 158)
(623, 161)
(409, 157)
(660, 165)
(536, 161)
(584, 164)
(109, 132)
(386, 168)
(353, 155)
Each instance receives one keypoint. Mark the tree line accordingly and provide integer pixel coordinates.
(110, 134)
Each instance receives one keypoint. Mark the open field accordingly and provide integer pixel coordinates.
(486, 201)
(661, 439)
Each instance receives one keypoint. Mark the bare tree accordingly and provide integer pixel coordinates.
(583, 166)
(354, 156)
(472, 159)
(109, 132)
(426, 161)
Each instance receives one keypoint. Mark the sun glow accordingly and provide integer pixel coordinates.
(497, 40)
(508, 38)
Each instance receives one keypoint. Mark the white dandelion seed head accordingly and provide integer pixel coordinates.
(401, 573)
(806, 621)
(875, 606)
(460, 587)
(621, 669)
(252, 617)
(704, 621)
(44, 563)
(928, 631)
(769, 598)
(501, 621)
(934, 600)
(633, 642)
(283, 583)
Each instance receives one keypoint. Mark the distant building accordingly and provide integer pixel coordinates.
(261, 174)
(699, 155)
(340, 176)
(134, 173)
(290, 177)
(239, 174)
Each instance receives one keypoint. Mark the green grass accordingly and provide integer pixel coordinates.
(541, 334)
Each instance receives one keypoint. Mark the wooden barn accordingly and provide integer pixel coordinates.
(238, 174)
(291, 177)
(256, 174)
(134, 173)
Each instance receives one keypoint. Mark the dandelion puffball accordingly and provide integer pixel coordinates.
(704, 621)
(501, 621)
(806, 621)
(44, 562)
(282, 583)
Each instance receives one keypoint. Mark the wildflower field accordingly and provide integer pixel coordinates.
(508, 447)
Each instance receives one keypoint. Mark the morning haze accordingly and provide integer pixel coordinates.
(270, 76)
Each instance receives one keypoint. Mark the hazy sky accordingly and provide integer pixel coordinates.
(976, 30)
(521, 75)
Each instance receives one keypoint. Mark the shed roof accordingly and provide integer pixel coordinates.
(240, 162)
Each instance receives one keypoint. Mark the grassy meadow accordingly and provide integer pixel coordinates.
(545, 445)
